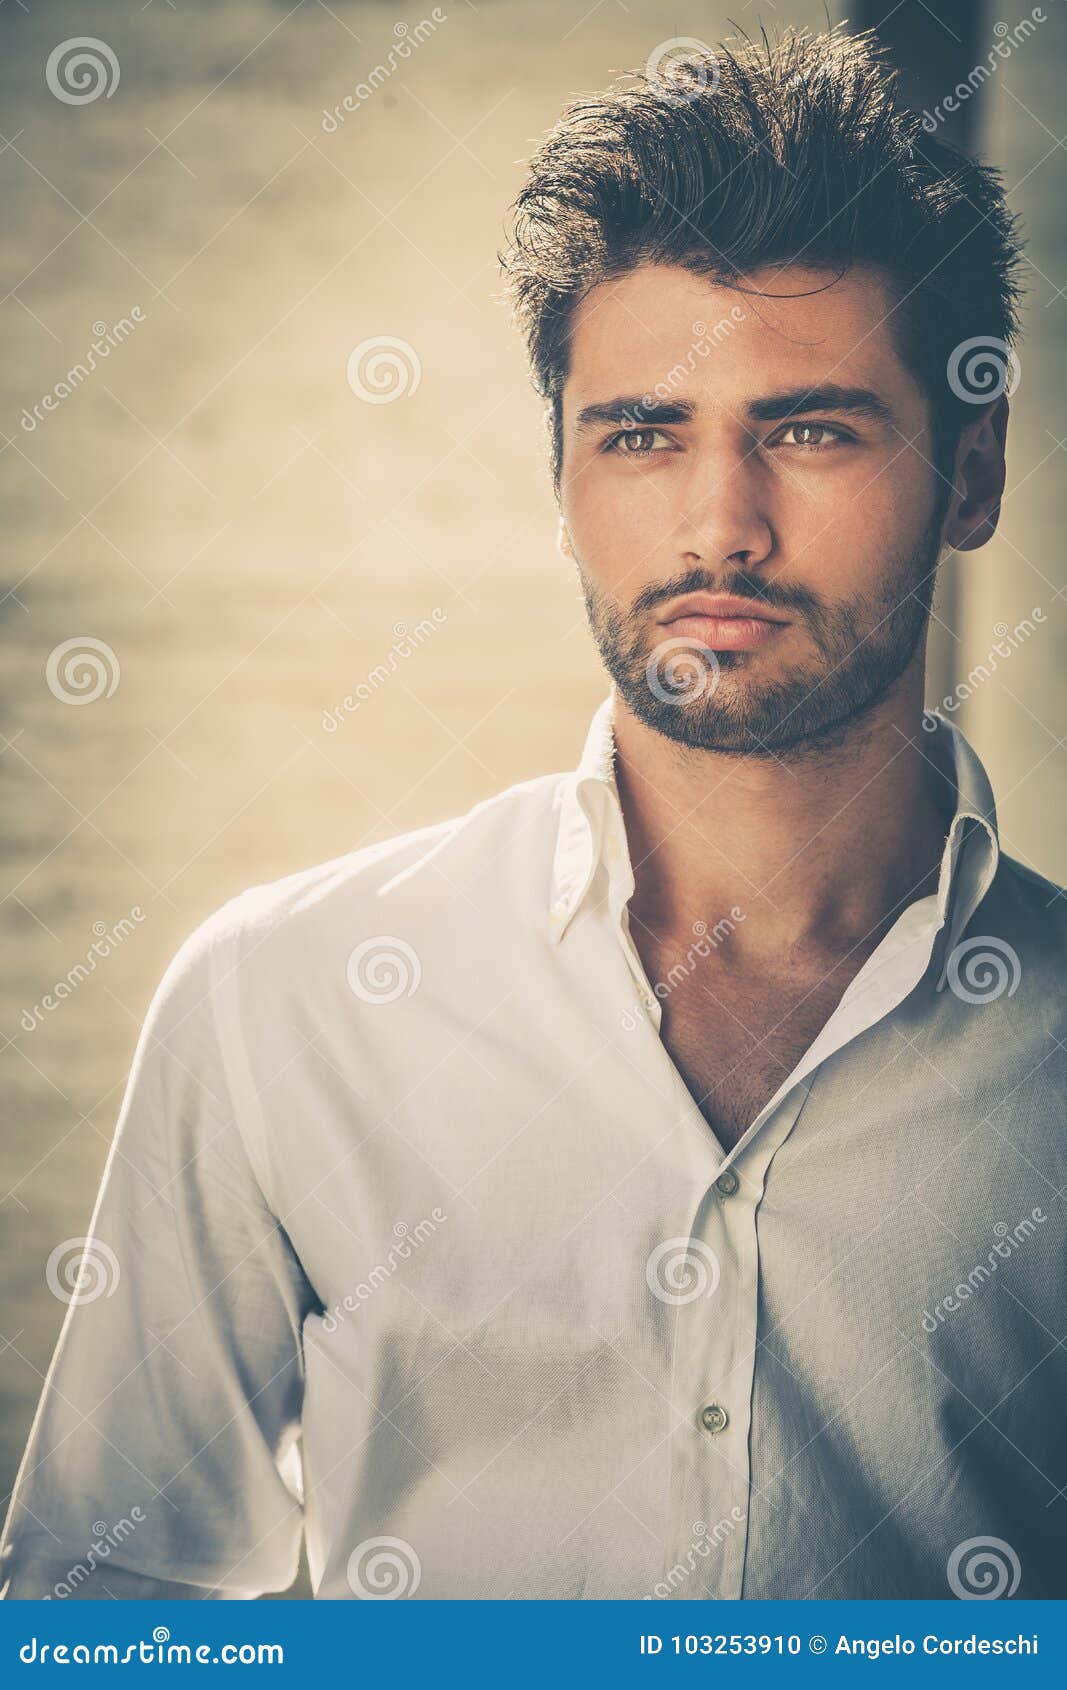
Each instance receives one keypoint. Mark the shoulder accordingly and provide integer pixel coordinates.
(493, 856)
(1039, 902)
(1028, 912)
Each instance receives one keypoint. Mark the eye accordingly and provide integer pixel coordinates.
(635, 442)
(838, 436)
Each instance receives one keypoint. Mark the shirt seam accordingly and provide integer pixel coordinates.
(235, 1065)
(252, 1155)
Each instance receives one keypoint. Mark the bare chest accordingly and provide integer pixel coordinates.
(734, 1041)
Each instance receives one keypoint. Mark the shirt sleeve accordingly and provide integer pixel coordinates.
(164, 1457)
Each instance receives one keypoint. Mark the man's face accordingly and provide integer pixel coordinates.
(703, 476)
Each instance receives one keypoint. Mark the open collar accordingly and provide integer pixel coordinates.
(591, 832)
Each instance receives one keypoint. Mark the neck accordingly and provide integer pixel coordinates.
(821, 851)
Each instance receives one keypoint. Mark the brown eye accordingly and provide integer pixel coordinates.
(812, 436)
(634, 442)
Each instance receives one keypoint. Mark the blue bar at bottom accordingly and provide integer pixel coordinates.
(547, 1644)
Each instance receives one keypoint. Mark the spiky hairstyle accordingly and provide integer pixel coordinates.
(792, 150)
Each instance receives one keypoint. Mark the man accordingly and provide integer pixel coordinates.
(650, 1183)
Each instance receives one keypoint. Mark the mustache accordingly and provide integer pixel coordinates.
(776, 595)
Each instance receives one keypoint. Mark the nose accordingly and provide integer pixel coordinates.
(722, 516)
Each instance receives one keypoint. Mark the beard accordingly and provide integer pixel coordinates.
(717, 701)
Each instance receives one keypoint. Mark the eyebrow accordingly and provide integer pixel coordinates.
(854, 401)
(774, 407)
(633, 410)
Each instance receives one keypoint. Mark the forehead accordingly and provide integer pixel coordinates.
(660, 324)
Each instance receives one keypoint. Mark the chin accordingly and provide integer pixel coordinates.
(739, 715)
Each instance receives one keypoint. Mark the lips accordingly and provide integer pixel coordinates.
(722, 622)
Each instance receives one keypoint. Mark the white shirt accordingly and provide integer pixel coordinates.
(413, 1237)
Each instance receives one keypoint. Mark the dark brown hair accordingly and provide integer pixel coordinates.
(792, 150)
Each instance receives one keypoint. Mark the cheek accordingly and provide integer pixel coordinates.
(619, 526)
(845, 541)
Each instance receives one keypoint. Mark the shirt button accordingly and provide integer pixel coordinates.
(713, 1418)
(727, 1183)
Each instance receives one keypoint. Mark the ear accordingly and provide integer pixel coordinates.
(979, 480)
(563, 541)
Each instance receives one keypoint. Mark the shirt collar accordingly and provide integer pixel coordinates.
(591, 831)
(590, 816)
(972, 849)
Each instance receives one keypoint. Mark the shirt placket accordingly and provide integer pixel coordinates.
(714, 1351)
(714, 1362)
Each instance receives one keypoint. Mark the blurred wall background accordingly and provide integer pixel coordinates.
(232, 539)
